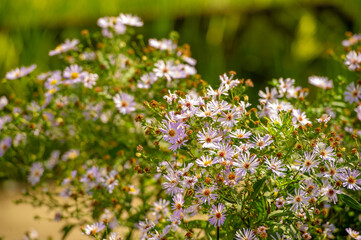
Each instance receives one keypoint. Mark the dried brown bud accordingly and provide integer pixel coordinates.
(208, 180)
(139, 118)
(249, 83)
(190, 192)
(84, 32)
(154, 103)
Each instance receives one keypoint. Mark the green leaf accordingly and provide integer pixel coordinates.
(229, 200)
(66, 230)
(257, 187)
(350, 201)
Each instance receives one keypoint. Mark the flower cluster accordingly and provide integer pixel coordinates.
(274, 171)
(127, 134)
(75, 132)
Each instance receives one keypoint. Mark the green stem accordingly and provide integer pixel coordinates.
(217, 233)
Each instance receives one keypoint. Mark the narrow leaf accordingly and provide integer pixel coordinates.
(351, 202)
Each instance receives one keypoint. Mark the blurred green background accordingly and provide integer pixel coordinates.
(259, 39)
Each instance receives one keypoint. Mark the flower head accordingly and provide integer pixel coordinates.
(124, 103)
(20, 72)
(217, 216)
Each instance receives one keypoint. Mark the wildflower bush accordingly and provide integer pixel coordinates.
(129, 135)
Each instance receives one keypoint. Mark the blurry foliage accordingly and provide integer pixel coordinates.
(259, 39)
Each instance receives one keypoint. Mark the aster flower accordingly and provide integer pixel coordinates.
(309, 186)
(298, 201)
(206, 161)
(189, 182)
(178, 144)
(353, 93)
(224, 152)
(352, 61)
(321, 82)
(164, 69)
(349, 178)
(160, 236)
(73, 74)
(36, 171)
(205, 194)
(332, 171)
(110, 181)
(300, 117)
(3, 102)
(20, 72)
(53, 81)
(329, 229)
(330, 192)
(276, 166)
(114, 236)
(146, 80)
(111, 25)
(90, 79)
(276, 106)
(71, 154)
(5, 145)
(308, 162)
(325, 152)
(93, 229)
(172, 131)
(124, 103)
(231, 178)
(160, 208)
(131, 20)
(222, 90)
(324, 118)
(230, 118)
(354, 234)
(280, 202)
(217, 216)
(358, 112)
(171, 184)
(144, 227)
(189, 102)
(268, 95)
(354, 39)
(218, 106)
(208, 137)
(164, 44)
(205, 111)
(284, 85)
(246, 163)
(177, 205)
(262, 142)
(245, 234)
(65, 47)
(171, 97)
(133, 190)
(241, 134)
(229, 82)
